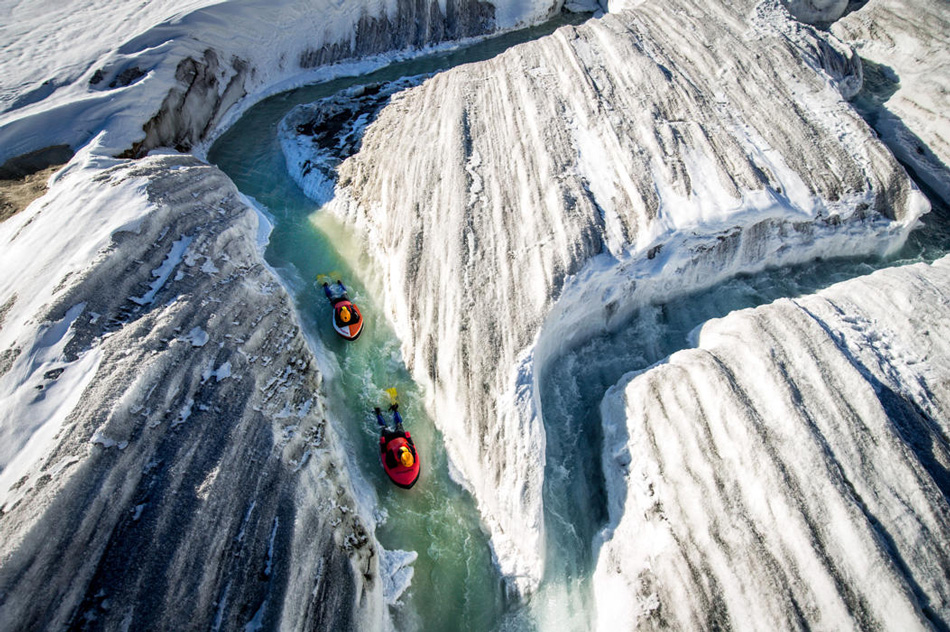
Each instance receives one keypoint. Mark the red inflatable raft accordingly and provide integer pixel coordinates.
(399, 458)
(347, 320)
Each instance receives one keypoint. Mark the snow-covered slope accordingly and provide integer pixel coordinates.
(521, 204)
(179, 68)
(908, 47)
(794, 468)
(165, 455)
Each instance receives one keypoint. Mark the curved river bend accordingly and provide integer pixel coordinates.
(455, 584)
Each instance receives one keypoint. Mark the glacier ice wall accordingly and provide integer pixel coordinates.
(908, 47)
(185, 66)
(166, 456)
(523, 203)
(793, 468)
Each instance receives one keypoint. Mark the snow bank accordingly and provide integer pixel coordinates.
(791, 469)
(524, 203)
(39, 383)
(72, 71)
(39, 390)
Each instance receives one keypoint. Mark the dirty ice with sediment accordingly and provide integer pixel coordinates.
(171, 451)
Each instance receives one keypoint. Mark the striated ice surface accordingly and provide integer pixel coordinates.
(906, 51)
(794, 468)
(519, 205)
(135, 491)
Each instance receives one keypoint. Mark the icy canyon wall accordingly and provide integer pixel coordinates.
(165, 455)
(181, 68)
(793, 468)
(165, 451)
(906, 48)
(523, 203)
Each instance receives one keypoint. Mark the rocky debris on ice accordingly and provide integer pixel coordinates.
(906, 48)
(521, 204)
(316, 137)
(793, 468)
(136, 491)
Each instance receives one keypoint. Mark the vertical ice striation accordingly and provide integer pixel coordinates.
(793, 469)
(520, 204)
(167, 462)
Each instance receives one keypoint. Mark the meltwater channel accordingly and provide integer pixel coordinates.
(456, 585)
